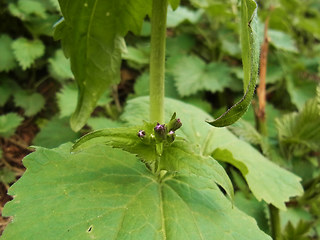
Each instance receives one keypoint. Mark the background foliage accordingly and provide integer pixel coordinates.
(203, 67)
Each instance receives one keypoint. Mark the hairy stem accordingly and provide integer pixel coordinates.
(157, 59)
(275, 222)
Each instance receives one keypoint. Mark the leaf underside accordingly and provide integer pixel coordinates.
(95, 51)
(250, 61)
(106, 193)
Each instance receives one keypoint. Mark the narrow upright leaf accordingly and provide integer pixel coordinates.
(250, 61)
(95, 51)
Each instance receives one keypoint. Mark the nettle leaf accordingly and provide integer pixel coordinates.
(8, 124)
(192, 74)
(299, 133)
(95, 52)
(266, 180)
(7, 60)
(27, 51)
(59, 66)
(32, 103)
(250, 62)
(103, 192)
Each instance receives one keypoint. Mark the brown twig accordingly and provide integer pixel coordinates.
(261, 90)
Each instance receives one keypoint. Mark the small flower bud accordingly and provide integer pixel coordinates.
(160, 132)
(174, 124)
(141, 134)
(171, 136)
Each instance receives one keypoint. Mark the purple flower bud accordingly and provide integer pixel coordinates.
(171, 136)
(174, 124)
(160, 131)
(141, 134)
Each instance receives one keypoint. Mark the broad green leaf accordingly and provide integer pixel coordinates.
(174, 4)
(95, 52)
(54, 133)
(32, 103)
(282, 41)
(250, 62)
(27, 51)
(104, 192)
(182, 14)
(192, 74)
(7, 61)
(266, 180)
(8, 124)
(176, 157)
(299, 133)
(59, 66)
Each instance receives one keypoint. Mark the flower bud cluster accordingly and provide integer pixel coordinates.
(161, 132)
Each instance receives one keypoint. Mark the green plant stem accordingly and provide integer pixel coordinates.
(157, 59)
(275, 222)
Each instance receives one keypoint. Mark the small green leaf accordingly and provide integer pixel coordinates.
(266, 180)
(32, 103)
(8, 87)
(192, 74)
(27, 51)
(7, 60)
(282, 41)
(35, 7)
(59, 66)
(250, 61)
(8, 124)
(54, 133)
(104, 191)
(6, 175)
(182, 14)
(67, 100)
